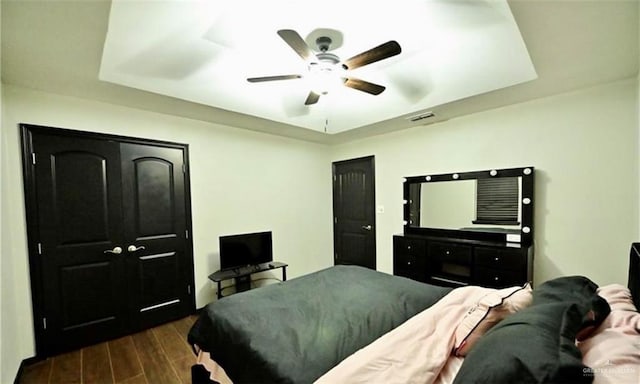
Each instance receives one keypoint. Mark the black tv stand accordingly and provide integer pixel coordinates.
(242, 275)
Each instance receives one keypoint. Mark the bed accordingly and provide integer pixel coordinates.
(351, 324)
(297, 330)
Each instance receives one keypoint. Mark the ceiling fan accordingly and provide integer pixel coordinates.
(325, 65)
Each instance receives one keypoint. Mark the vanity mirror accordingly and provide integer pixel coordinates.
(492, 205)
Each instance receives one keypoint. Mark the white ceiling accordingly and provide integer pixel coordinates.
(57, 46)
(203, 52)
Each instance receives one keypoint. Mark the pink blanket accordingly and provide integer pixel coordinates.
(416, 351)
(613, 350)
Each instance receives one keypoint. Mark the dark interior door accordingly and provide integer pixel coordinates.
(109, 240)
(354, 227)
(156, 233)
(80, 240)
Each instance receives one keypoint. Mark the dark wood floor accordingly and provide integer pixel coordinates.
(158, 355)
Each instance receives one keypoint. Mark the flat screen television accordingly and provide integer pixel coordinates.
(245, 249)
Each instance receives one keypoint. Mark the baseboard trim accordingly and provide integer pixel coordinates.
(24, 363)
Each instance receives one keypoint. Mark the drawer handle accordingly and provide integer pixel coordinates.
(116, 250)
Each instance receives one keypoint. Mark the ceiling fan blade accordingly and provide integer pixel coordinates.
(312, 98)
(273, 78)
(381, 52)
(364, 86)
(296, 42)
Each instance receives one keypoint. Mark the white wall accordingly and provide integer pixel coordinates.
(11, 292)
(9, 361)
(10, 320)
(241, 181)
(584, 146)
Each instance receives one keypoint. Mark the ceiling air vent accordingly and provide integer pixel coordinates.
(422, 116)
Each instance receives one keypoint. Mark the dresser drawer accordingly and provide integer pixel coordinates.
(494, 258)
(410, 258)
(497, 278)
(408, 262)
(409, 253)
(450, 253)
(409, 246)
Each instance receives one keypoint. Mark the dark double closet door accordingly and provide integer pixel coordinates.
(109, 245)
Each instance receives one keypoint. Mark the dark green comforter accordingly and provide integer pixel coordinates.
(295, 331)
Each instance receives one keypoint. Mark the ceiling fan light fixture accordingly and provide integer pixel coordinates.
(325, 76)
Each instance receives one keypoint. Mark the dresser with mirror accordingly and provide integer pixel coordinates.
(467, 228)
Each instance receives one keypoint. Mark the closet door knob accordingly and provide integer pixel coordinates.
(133, 248)
(116, 250)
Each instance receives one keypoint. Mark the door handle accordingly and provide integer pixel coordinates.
(133, 248)
(367, 227)
(116, 250)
